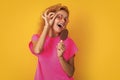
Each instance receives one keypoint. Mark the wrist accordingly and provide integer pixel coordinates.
(46, 27)
(60, 57)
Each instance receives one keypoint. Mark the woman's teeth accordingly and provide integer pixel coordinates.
(60, 25)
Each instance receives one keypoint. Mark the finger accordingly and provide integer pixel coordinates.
(67, 21)
(61, 49)
(59, 45)
(43, 16)
(45, 13)
(61, 41)
(54, 17)
(51, 14)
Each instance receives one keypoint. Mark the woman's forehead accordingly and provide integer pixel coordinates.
(63, 13)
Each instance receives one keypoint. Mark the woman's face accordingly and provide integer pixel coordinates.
(61, 21)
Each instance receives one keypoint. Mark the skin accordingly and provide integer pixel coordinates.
(51, 28)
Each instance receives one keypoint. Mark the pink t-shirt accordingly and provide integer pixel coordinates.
(49, 67)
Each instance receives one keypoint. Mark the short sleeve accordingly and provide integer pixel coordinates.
(34, 38)
(73, 49)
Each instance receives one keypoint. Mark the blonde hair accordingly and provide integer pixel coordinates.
(53, 8)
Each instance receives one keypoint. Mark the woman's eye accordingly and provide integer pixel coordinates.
(59, 17)
(65, 19)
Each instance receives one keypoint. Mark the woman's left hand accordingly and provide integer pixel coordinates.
(60, 49)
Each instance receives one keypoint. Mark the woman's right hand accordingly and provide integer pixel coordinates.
(49, 18)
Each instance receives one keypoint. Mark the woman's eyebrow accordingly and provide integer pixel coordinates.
(59, 14)
(62, 15)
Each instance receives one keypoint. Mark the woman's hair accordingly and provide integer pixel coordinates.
(56, 8)
(53, 8)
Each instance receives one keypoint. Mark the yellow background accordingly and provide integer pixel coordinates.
(94, 26)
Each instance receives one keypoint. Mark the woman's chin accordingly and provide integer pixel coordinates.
(57, 31)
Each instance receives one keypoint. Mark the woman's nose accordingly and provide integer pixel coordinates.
(63, 20)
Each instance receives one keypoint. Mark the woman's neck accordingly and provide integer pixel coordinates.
(52, 33)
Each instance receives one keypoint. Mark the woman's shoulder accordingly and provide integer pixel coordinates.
(35, 36)
(69, 40)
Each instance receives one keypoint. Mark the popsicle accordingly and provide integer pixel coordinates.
(64, 35)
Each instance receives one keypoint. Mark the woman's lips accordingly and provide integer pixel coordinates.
(60, 25)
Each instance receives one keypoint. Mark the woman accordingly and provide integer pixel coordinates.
(55, 57)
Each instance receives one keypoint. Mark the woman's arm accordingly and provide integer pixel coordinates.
(49, 19)
(38, 45)
(68, 67)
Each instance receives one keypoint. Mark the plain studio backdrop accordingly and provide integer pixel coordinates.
(94, 26)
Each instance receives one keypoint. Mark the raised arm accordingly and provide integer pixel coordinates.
(49, 19)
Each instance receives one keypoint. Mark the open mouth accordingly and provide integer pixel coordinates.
(60, 25)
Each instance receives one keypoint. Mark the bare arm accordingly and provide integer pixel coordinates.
(38, 45)
(49, 19)
(68, 66)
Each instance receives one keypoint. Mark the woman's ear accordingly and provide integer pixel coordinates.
(67, 21)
